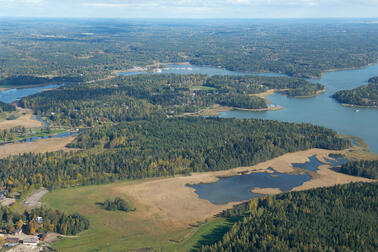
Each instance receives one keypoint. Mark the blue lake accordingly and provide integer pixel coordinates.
(238, 188)
(12, 95)
(324, 110)
(190, 69)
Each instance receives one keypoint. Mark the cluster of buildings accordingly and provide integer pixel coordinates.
(19, 238)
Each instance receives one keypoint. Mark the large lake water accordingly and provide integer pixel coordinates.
(320, 110)
(324, 110)
(12, 95)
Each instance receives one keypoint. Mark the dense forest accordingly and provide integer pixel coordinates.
(162, 148)
(366, 95)
(93, 49)
(8, 135)
(5, 107)
(362, 168)
(22, 80)
(51, 221)
(339, 218)
(149, 96)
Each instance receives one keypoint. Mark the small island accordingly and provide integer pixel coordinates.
(366, 95)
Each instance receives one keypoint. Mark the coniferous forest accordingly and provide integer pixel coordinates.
(361, 168)
(339, 218)
(366, 95)
(156, 96)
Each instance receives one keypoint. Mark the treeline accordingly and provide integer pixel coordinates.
(117, 204)
(361, 168)
(149, 96)
(250, 84)
(301, 49)
(339, 218)
(42, 220)
(366, 95)
(242, 101)
(163, 148)
(11, 134)
(6, 107)
(25, 80)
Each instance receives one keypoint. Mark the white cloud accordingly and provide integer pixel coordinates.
(191, 8)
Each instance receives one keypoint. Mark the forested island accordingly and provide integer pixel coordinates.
(366, 95)
(339, 218)
(23, 81)
(150, 96)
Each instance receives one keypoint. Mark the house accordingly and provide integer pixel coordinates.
(12, 240)
(43, 236)
(30, 241)
(10, 244)
(39, 219)
(17, 232)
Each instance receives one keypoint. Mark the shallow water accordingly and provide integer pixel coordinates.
(314, 163)
(238, 188)
(59, 135)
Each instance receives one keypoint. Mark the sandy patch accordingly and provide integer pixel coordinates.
(25, 120)
(39, 146)
(7, 202)
(33, 200)
(216, 109)
(269, 191)
(170, 202)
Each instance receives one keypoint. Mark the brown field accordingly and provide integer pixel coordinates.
(327, 177)
(170, 202)
(268, 191)
(39, 146)
(24, 119)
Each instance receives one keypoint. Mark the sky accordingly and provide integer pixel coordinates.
(189, 8)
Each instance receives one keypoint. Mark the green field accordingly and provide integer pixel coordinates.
(202, 88)
(120, 231)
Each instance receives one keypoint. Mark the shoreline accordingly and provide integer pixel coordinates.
(216, 109)
(148, 68)
(356, 106)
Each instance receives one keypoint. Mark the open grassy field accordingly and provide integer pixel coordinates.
(120, 231)
(169, 215)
